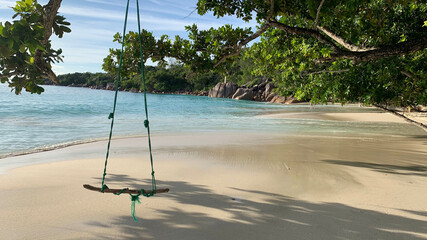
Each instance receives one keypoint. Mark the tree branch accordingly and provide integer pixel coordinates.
(51, 10)
(327, 71)
(10, 74)
(397, 49)
(410, 75)
(342, 42)
(250, 38)
(316, 22)
(423, 126)
(243, 43)
(305, 32)
(406, 73)
(271, 10)
(341, 48)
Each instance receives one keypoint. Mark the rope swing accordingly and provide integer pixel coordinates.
(134, 193)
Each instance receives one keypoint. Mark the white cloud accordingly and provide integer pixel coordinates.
(94, 22)
(149, 22)
(7, 4)
(89, 34)
(92, 13)
(3, 20)
(155, 2)
(157, 23)
(111, 3)
(85, 55)
(120, 15)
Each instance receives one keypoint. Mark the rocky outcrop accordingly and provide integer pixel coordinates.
(223, 90)
(291, 100)
(262, 92)
(110, 86)
(243, 94)
(278, 99)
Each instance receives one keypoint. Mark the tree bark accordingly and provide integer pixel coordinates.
(316, 22)
(420, 124)
(51, 10)
(357, 55)
(398, 49)
(342, 42)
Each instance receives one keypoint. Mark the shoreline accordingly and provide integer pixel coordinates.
(380, 117)
(9, 159)
(58, 146)
(251, 186)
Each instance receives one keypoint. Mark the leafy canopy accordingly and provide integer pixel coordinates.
(371, 51)
(26, 54)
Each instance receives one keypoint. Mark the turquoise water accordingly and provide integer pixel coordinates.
(65, 115)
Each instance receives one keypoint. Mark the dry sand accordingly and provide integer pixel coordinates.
(360, 117)
(223, 186)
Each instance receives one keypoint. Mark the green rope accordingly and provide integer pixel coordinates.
(146, 122)
(111, 116)
(134, 198)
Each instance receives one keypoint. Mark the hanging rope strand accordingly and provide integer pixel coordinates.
(135, 197)
(146, 122)
(111, 116)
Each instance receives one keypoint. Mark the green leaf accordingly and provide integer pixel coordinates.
(22, 48)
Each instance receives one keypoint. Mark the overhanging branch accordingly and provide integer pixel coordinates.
(242, 43)
(397, 49)
(326, 71)
(305, 32)
(250, 38)
(342, 42)
(316, 22)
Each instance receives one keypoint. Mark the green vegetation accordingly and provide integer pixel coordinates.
(172, 78)
(86, 79)
(369, 51)
(26, 54)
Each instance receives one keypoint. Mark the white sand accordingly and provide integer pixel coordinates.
(360, 117)
(283, 188)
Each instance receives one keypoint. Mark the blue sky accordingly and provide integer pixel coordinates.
(94, 22)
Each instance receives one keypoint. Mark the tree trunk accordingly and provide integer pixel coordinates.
(51, 10)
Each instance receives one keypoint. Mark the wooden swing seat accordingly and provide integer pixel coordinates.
(127, 190)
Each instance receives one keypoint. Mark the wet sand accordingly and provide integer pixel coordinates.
(223, 186)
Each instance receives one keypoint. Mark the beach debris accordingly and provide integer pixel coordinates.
(236, 199)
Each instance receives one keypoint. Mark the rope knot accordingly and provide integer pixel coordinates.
(104, 186)
(146, 123)
(134, 198)
(111, 116)
(152, 173)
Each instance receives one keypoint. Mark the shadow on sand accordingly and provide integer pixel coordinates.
(414, 170)
(275, 217)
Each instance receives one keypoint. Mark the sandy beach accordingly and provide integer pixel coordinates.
(224, 186)
(356, 117)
